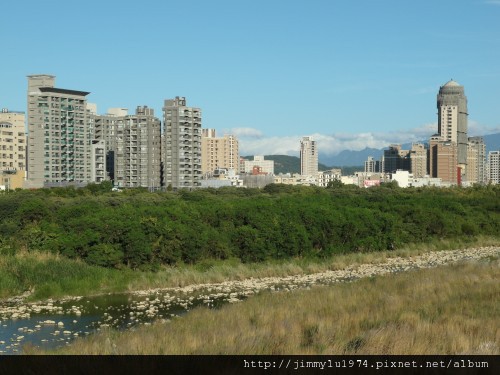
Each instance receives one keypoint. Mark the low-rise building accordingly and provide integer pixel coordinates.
(222, 177)
(12, 179)
(325, 177)
(265, 166)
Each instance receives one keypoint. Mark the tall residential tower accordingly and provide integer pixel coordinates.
(476, 161)
(59, 134)
(308, 157)
(12, 150)
(218, 152)
(12, 141)
(133, 146)
(452, 121)
(181, 148)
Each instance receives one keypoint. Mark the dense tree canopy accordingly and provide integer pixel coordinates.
(139, 229)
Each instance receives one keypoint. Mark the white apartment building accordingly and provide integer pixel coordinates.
(325, 177)
(372, 165)
(308, 157)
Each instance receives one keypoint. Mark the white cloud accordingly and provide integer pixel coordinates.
(476, 129)
(245, 132)
(332, 144)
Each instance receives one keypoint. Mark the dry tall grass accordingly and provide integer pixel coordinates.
(220, 271)
(446, 310)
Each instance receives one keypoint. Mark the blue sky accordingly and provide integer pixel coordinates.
(352, 74)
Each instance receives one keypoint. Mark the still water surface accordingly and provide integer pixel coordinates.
(59, 322)
(119, 311)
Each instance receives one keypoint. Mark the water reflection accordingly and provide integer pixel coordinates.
(88, 315)
(53, 324)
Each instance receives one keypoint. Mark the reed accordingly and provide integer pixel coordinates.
(445, 310)
(50, 275)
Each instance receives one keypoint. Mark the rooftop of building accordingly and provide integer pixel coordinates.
(451, 83)
(64, 91)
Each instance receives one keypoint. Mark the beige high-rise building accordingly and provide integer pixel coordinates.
(494, 167)
(218, 152)
(418, 160)
(59, 134)
(133, 144)
(443, 160)
(476, 161)
(452, 119)
(181, 148)
(12, 141)
(308, 157)
(12, 149)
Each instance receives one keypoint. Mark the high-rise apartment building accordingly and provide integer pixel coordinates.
(133, 144)
(476, 161)
(181, 154)
(394, 159)
(452, 119)
(98, 173)
(218, 152)
(105, 130)
(494, 167)
(443, 160)
(12, 141)
(418, 160)
(308, 157)
(372, 165)
(59, 134)
(12, 150)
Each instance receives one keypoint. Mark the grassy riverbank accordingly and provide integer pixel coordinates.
(445, 310)
(53, 276)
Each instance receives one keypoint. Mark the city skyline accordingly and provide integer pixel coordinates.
(350, 76)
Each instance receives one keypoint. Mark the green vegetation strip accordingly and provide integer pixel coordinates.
(444, 310)
(136, 229)
(42, 275)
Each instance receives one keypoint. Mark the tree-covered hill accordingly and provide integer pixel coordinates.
(291, 164)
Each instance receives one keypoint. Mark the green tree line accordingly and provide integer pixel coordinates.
(142, 230)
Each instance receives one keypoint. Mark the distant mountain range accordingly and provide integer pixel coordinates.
(358, 158)
(285, 163)
(351, 161)
(291, 164)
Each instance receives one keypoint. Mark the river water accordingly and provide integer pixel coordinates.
(55, 323)
(59, 322)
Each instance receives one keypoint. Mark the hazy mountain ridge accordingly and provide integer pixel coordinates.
(356, 158)
(291, 164)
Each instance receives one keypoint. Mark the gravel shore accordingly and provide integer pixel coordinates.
(236, 290)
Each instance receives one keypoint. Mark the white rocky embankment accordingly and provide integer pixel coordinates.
(233, 291)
